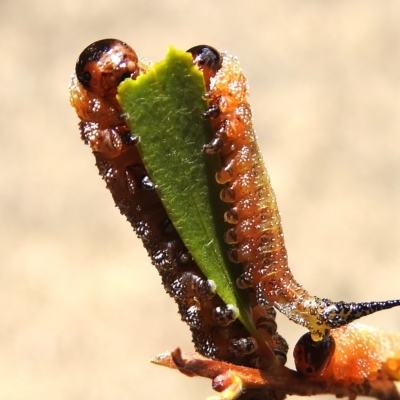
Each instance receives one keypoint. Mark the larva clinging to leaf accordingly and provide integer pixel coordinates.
(256, 233)
(216, 332)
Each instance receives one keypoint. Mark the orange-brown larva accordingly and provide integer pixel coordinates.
(256, 231)
(216, 331)
(352, 354)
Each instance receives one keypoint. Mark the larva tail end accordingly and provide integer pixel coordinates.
(340, 313)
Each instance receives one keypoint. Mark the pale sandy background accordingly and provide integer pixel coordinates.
(82, 310)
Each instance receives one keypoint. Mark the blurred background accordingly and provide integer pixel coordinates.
(82, 309)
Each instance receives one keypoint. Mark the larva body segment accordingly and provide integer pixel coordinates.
(216, 331)
(256, 231)
(359, 352)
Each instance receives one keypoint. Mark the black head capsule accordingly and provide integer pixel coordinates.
(312, 358)
(92, 53)
(206, 57)
(104, 64)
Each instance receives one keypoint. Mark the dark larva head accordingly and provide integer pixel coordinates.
(206, 56)
(93, 52)
(104, 64)
(312, 358)
(208, 60)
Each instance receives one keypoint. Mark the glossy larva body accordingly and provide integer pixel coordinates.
(256, 233)
(352, 354)
(216, 331)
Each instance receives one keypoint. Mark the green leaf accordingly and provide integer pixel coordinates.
(164, 109)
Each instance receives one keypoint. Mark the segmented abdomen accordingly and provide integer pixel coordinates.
(216, 332)
(256, 233)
